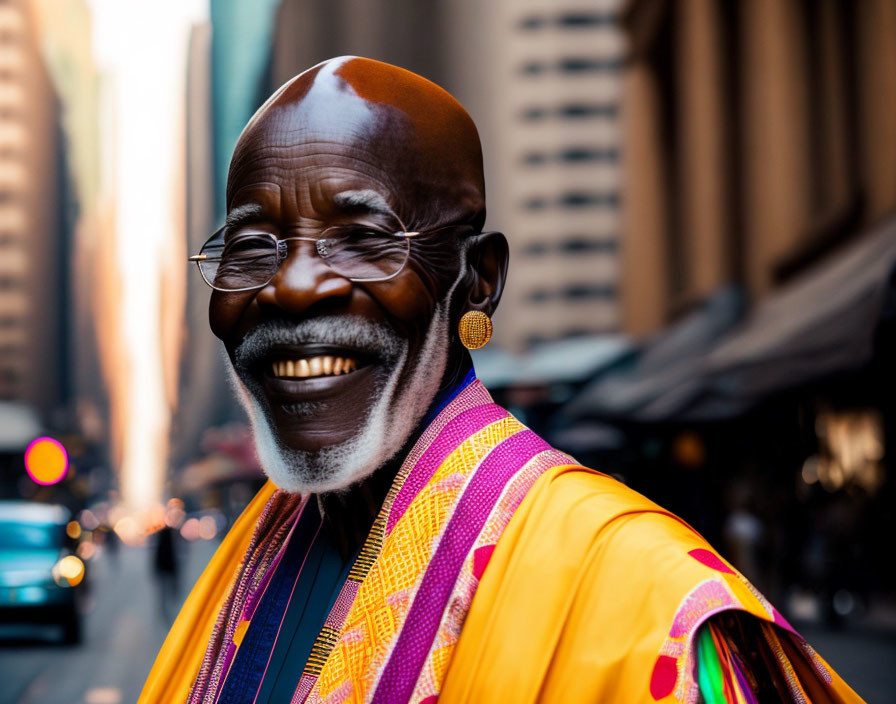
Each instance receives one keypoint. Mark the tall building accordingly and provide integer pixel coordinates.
(65, 39)
(544, 85)
(204, 397)
(33, 256)
(759, 140)
(542, 81)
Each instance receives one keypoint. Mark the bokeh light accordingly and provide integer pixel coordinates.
(190, 529)
(69, 571)
(152, 519)
(128, 530)
(174, 513)
(73, 530)
(46, 461)
(86, 550)
(208, 529)
(88, 520)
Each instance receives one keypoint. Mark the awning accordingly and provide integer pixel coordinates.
(821, 325)
(573, 360)
(673, 355)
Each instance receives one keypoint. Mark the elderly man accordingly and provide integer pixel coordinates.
(415, 541)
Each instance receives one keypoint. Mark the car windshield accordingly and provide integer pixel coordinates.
(23, 536)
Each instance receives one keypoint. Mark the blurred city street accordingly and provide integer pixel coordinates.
(700, 207)
(123, 630)
(863, 656)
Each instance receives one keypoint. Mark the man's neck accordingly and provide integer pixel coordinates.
(352, 511)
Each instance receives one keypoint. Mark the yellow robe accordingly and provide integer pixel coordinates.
(576, 604)
(578, 600)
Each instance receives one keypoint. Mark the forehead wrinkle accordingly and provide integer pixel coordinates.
(359, 150)
(359, 176)
(281, 161)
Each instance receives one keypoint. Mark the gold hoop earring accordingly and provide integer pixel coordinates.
(474, 329)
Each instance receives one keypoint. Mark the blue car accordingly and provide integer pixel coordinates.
(38, 576)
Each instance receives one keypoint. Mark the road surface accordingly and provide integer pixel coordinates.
(123, 630)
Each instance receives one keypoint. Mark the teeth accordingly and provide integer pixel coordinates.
(314, 366)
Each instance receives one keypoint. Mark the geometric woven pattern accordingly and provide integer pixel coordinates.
(440, 522)
(385, 595)
(433, 673)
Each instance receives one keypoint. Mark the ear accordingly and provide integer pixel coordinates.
(487, 256)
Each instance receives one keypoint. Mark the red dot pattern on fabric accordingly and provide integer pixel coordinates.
(481, 558)
(710, 559)
(662, 681)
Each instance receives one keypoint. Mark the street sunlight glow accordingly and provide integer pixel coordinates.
(140, 51)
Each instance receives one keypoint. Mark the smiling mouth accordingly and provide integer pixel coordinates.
(313, 367)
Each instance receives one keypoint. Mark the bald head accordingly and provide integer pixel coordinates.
(413, 141)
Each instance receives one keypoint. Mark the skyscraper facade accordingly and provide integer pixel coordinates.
(33, 267)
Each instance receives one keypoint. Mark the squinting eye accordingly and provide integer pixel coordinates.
(243, 241)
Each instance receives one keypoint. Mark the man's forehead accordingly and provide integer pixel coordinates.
(262, 201)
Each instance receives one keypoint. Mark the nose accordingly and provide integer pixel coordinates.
(304, 281)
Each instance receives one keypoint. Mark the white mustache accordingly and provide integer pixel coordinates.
(374, 339)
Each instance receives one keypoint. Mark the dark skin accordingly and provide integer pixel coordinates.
(356, 125)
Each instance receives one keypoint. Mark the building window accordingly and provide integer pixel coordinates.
(572, 111)
(583, 244)
(575, 200)
(588, 291)
(570, 20)
(574, 292)
(587, 154)
(573, 64)
(587, 19)
(573, 155)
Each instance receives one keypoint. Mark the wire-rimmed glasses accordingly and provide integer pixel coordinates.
(249, 260)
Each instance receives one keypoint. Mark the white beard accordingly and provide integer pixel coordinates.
(387, 427)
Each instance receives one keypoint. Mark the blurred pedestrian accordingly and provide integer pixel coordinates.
(165, 564)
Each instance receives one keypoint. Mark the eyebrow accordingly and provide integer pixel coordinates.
(365, 200)
(243, 214)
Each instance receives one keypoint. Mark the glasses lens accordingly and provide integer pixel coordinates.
(363, 253)
(244, 261)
